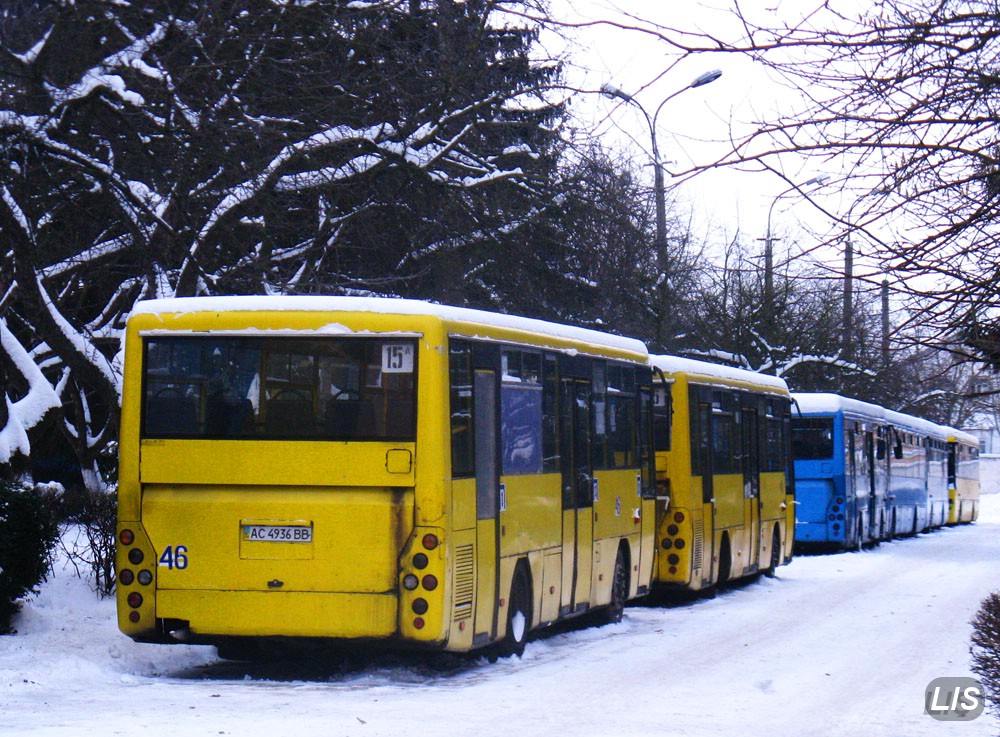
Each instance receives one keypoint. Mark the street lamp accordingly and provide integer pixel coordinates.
(769, 239)
(610, 90)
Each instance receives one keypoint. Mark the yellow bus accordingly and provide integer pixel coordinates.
(723, 467)
(963, 477)
(365, 469)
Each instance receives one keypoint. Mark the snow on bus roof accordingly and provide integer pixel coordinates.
(676, 364)
(824, 403)
(389, 306)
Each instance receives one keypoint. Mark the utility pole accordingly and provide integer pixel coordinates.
(885, 324)
(848, 297)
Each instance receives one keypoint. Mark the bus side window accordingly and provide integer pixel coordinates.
(550, 393)
(460, 390)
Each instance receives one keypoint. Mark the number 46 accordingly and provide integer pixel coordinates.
(175, 556)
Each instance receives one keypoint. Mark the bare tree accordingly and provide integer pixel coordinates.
(902, 95)
(180, 148)
(793, 329)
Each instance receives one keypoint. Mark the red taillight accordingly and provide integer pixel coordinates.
(126, 577)
(418, 623)
(127, 537)
(133, 617)
(430, 582)
(430, 541)
(678, 517)
(135, 600)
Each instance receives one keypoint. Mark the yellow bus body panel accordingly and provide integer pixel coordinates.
(340, 558)
(269, 463)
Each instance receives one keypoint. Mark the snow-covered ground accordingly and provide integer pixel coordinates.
(836, 645)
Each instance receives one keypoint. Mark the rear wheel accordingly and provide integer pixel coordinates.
(619, 591)
(518, 616)
(772, 568)
(725, 561)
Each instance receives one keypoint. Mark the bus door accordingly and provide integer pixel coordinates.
(700, 406)
(852, 509)
(487, 501)
(873, 501)
(751, 480)
(577, 495)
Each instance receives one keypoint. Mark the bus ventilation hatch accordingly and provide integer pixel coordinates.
(465, 581)
(699, 534)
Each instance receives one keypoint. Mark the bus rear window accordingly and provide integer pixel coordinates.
(256, 388)
(812, 439)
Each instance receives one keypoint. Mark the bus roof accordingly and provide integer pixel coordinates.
(676, 364)
(824, 403)
(388, 306)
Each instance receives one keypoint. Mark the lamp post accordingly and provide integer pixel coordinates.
(769, 239)
(610, 90)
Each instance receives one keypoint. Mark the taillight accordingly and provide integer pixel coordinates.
(430, 541)
(135, 556)
(420, 606)
(127, 537)
(420, 561)
(678, 517)
(126, 577)
(430, 582)
(135, 600)
(145, 577)
(410, 582)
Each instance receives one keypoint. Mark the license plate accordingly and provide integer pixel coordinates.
(277, 533)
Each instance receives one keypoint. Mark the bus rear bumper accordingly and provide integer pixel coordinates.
(817, 533)
(211, 614)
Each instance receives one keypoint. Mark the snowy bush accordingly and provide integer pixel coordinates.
(28, 533)
(92, 547)
(986, 648)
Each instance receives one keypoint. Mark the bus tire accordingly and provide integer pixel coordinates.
(725, 561)
(615, 610)
(518, 615)
(772, 569)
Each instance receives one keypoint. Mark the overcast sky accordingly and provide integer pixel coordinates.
(694, 126)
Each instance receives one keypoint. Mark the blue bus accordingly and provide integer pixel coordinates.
(864, 473)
